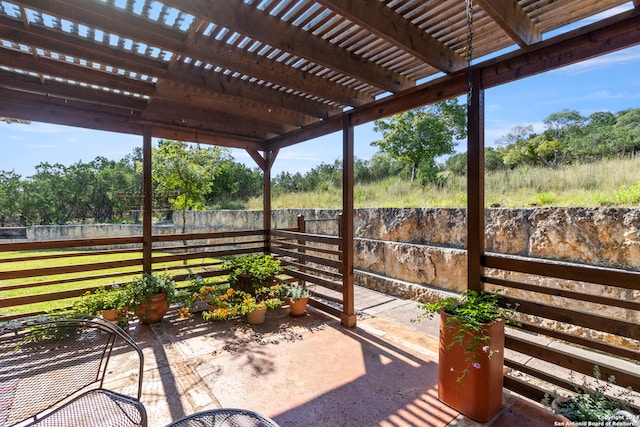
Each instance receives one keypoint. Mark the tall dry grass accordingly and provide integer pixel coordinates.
(614, 182)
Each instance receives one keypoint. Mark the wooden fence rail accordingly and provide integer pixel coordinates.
(574, 317)
(37, 276)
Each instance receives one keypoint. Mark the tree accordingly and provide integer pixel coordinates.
(46, 196)
(235, 183)
(419, 136)
(10, 196)
(564, 125)
(629, 119)
(187, 172)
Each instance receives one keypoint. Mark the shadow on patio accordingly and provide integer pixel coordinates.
(306, 371)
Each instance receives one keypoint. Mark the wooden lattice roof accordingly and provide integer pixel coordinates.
(249, 73)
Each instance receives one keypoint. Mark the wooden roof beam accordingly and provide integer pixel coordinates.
(67, 91)
(250, 21)
(390, 25)
(201, 136)
(227, 85)
(63, 112)
(510, 16)
(77, 47)
(160, 111)
(192, 96)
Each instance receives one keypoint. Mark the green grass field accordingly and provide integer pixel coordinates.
(42, 259)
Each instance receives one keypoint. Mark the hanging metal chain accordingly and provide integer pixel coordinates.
(469, 55)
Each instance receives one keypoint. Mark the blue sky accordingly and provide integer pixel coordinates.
(608, 83)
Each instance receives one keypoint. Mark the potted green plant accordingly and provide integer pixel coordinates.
(256, 310)
(255, 306)
(594, 403)
(298, 297)
(471, 353)
(249, 272)
(111, 303)
(152, 294)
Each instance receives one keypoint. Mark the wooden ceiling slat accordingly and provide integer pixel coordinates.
(111, 20)
(249, 63)
(68, 71)
(606, 36)
(379, 19)
(245, 19)
(77, 47)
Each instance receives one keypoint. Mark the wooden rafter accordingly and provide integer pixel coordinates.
(381, 20)
(513, 20)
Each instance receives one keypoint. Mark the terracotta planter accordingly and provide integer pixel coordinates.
(256, 317)
(110, 315)
(154, 311)
(479, 394)
(298, 307)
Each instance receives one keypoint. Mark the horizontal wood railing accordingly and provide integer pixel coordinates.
(315, 260)
(573, 317)
(39, 276)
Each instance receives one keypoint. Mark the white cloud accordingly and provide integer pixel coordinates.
(612, 59)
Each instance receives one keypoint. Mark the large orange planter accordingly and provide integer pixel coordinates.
(479, 394)
(154, 311)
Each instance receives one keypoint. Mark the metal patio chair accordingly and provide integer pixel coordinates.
(52, 373)
(224, 417)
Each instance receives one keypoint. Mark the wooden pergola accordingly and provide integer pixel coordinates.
(263, 75)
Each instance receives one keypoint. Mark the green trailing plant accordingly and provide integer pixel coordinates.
(593, 402)
(112, 298)
(469, 314)
(261, 268)
(46, 329)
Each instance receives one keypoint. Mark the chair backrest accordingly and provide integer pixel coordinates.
(45, 361)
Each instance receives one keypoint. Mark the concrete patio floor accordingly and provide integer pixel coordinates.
(307, 371)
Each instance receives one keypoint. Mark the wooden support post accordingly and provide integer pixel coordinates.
(302, 228)
(475, 184)
(147, 205)
(348, 316)
(266, 201)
